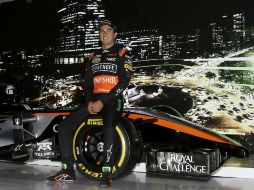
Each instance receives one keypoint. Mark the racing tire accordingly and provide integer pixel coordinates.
(88, 154)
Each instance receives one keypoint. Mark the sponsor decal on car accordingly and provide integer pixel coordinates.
(18, 147)
(10, 89)
(182, 164)
(44, 150)
(177, 162)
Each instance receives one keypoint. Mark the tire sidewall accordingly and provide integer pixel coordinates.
(91, 171)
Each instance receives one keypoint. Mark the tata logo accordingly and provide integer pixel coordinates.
(44, 146)
(94, 122)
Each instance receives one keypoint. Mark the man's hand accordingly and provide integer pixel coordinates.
(90, 107)
(95, 107)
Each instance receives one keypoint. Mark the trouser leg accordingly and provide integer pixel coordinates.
(66, 131)
(110, 115)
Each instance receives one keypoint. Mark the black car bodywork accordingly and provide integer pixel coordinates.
(169, 144)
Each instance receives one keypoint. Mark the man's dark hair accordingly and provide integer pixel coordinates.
(107, 22)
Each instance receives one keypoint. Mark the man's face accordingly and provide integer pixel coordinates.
(107, 36)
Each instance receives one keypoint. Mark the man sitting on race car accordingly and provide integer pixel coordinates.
(108, 73)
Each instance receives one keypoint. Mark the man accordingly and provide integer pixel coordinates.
(107, 74)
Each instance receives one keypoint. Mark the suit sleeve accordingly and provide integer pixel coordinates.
(124, 79)
(88, 82)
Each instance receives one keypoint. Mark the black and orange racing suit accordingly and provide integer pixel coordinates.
(108, 73)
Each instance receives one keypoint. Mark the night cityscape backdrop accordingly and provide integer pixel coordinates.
(196, 56)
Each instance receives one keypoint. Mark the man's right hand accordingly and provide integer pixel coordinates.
(90, 108)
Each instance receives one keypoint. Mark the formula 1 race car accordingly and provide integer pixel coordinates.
(158, 136)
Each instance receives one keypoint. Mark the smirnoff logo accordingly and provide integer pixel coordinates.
(183, 163)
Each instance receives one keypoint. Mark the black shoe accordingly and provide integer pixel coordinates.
(64, 176)
(106, 179)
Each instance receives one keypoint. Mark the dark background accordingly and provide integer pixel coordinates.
(28, 24)
(176, 15)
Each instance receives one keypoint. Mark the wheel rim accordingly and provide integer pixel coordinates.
(92, 147)
(87, 142)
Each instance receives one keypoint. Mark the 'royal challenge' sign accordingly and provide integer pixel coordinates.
(183, 163)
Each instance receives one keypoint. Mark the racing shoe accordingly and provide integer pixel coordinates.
(106, 177)
(64, 175)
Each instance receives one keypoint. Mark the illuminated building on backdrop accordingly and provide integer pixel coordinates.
(143, 44)
(217, 36)
(239, 28)
(78, 33)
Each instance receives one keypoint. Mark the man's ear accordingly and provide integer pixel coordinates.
(115, 35)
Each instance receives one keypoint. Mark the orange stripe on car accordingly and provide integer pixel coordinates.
(180, 127)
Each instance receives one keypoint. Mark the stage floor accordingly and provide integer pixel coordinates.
(239, 162)
(33, 177)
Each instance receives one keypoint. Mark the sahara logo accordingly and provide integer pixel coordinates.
(104, 83)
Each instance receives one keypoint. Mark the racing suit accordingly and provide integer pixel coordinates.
(107, 74)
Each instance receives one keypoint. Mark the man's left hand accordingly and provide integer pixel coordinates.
(97, 106)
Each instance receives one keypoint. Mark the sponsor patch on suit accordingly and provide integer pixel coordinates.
(96, 60)
(108, 67)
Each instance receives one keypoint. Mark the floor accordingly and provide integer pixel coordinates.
(33, 177)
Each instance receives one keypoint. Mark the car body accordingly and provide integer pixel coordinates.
(169, 144)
